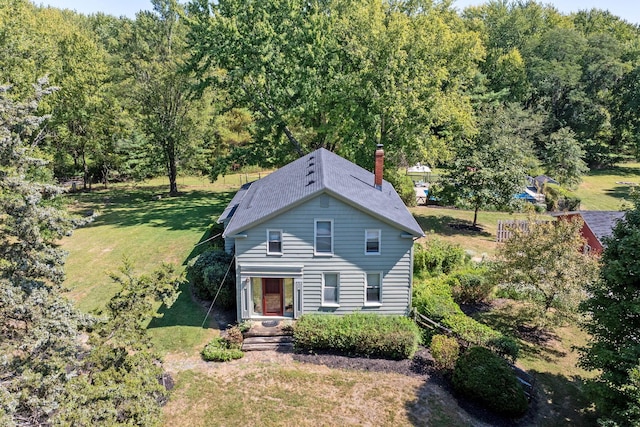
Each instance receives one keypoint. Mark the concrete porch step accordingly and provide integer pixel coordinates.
(280, 343)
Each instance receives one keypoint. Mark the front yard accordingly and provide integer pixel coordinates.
(276, 389)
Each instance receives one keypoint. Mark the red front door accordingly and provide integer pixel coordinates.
(272, 297)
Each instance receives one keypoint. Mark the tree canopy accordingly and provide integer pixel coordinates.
(612, 321)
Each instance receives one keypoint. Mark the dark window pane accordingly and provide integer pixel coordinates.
(275, 246)
(323, 244)
(373, 295)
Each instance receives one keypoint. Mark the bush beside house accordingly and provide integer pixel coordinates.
(206, 273)
(392, 337)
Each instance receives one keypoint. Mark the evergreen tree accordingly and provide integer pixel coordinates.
(613, 313)
(38, 327)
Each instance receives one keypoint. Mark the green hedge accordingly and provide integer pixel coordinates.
(392, 337)
(485, 377)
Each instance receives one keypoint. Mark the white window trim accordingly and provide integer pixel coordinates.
(270, 230)
(372, 303)
(315, 236)
(371, 230)
(331, 304)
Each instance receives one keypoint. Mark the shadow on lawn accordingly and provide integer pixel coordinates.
(616, 171)
(449, 226)
(187, 310)
(619, 192)
(125, 208)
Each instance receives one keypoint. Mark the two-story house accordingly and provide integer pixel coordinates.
(321, 234)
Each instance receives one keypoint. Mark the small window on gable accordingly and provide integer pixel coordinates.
(324, 237)
(373, 291)
(330, 286)
(372, 242)
(274, 242)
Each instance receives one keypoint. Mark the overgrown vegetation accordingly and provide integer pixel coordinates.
(365, 334)
(446, 271)
(213, 275)
(482, 376)
(437, 256)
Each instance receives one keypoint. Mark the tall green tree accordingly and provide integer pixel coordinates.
(613, 323)
(563, 158)
(340, 75)
(172, 121)
(121, 375)
(491, 168)
(39, 329)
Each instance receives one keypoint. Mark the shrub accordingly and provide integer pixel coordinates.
(221, 350)
(393, 337)
(433, 299)
(470, 285)
(445, 351)
(505, 346)
(559, 199)
(206, 272)
(437, 257)
(470, 329)
(402, 184)
(485, 377)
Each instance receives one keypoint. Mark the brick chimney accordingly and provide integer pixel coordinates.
(379, 167)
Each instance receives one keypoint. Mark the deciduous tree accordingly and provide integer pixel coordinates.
(547, 266)
(613, 321)
(490, 169)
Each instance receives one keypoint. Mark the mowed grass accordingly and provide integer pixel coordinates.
(297, 394)
(444, 223)
(146, 226)
(609, 189)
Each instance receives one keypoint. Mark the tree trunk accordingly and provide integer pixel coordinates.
(85, 172)
(172, 172)
(475, 216)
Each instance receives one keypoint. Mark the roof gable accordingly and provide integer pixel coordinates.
(317, 172)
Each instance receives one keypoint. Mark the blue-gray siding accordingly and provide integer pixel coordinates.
(348, 258)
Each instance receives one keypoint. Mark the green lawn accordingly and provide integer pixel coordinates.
(608, 189)
(145, 225)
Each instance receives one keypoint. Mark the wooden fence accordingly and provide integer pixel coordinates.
(506, 227)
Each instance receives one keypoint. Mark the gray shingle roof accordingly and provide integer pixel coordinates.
(318, 172)
(601, 223)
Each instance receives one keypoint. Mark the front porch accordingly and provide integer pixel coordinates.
(269, 292)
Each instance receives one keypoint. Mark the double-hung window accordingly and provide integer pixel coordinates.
(274, 242)
(372, 242)
(330, 286)
(324, 237)
(373, 289)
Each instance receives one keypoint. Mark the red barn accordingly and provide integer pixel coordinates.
(597, 225)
